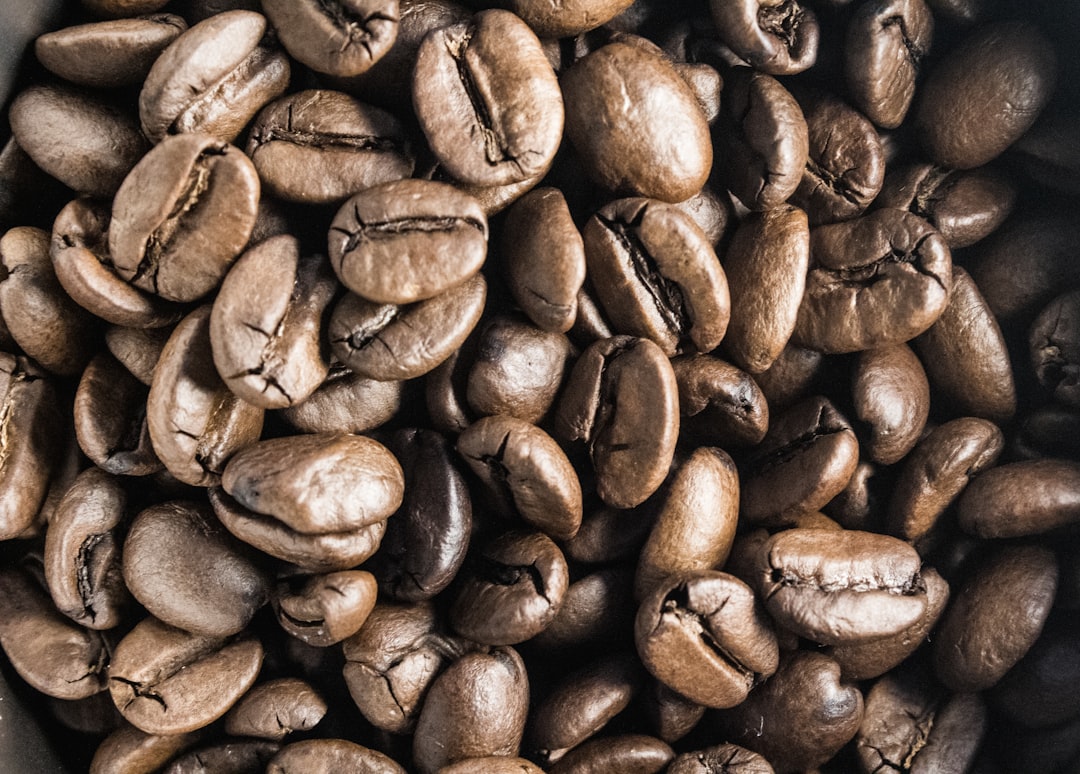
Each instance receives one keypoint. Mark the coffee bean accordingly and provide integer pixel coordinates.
(629, 753)
(892, 401)
(345, 402)
(242, 755)
(324, 756)
(724, 405)
(724, 758)
(276, 708)
(1021, 498)
(340, 37)
(129, 747)
(775, 36)
(323, 610)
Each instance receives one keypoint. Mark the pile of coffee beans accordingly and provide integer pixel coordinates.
(463, 387)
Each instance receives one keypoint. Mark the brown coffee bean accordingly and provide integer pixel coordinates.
(1038, 692)
(511, 589)
(653, 141)
(275, 709)
(774, 36)
(476, 707)
(340, 37)
(626, 753)
(883, 278)
(346, 402)
(1011, 67)
(726, 758)
(656, 275)
(492, 764)
(526, 472)
(55, 655)
(82, 558)
(108, 54)
(80, 254)
(979, 378)
(598, 610)
(44, 321)
(182, 216)
(766, 266)
(241, 755)
(325, 756)
(167, 681)
(408, 240)
(490, 119)
(938, 470)
(695, 525)
(885, 44)
(621, 400)
(267, 337)
(129, 749)
(213, 79)
(806, 458)
(705, 637)
(195, 422)
(569, 18)
(323, 610)
(762, 139)
(1054, 344)
(123, 7)
(317, 484)
(87, 144)
(1021, 498)
(137, 349)
(724, 404)
(320, 147)
(892, 401)
(839, 587)
(972, 650)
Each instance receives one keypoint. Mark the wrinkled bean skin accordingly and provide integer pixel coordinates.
(726, 406)
(779, 37)
(276, 708)
(724, 758)
(325, 609)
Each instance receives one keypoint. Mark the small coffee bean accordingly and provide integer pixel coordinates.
(276, 708)
(336, 37)
(323, 610)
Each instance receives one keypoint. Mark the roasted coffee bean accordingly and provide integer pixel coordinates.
(392, 660)
(426, 540)
(884, 47)
(267, 337)
(1054, 344)
(1022, 498)
(724, 405)
(32, 428)
(511, 589)
(407, 241)
(873, 658)
(128, 748)
(892, 401)
(800, 717)
(795, 373)
(695, 524)
(980, 380)
(582, 704)
(598, 610)
(761, 139)
(325, 609)
(247, 755)
(963, 205)
(706, 637)
(721, 759)
(275, 709)
(653, 140)
(346, 402)
(839, 587)
(883, 278)
(627, 753)
(908, 719)
(80, 254)
(805, 460)
(492, 764)
(526, 472)
(325, 756)
(82, 558)
(84, 142)
(110, 419)
(392, 342)
(41, 317)
(569, 18)
(518, 369)
(490, 119)
(182, 216)
(1014, 583)
(123, 7)
(1037, 693)
(167, 681)
(108, 54)
(317, 484)
(938, 470)
(545, 258)
(52, 653)
(195, 422)
(766, 266)
(476, 707)
(188, 572)
(213, 79)
(336, 37)
(137, 349)
(845, 165)
(621, 400)
(1011, 66)
(774, 36)
(321, 147)
(656, 275)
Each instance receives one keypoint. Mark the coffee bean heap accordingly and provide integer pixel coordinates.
(592, 386)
